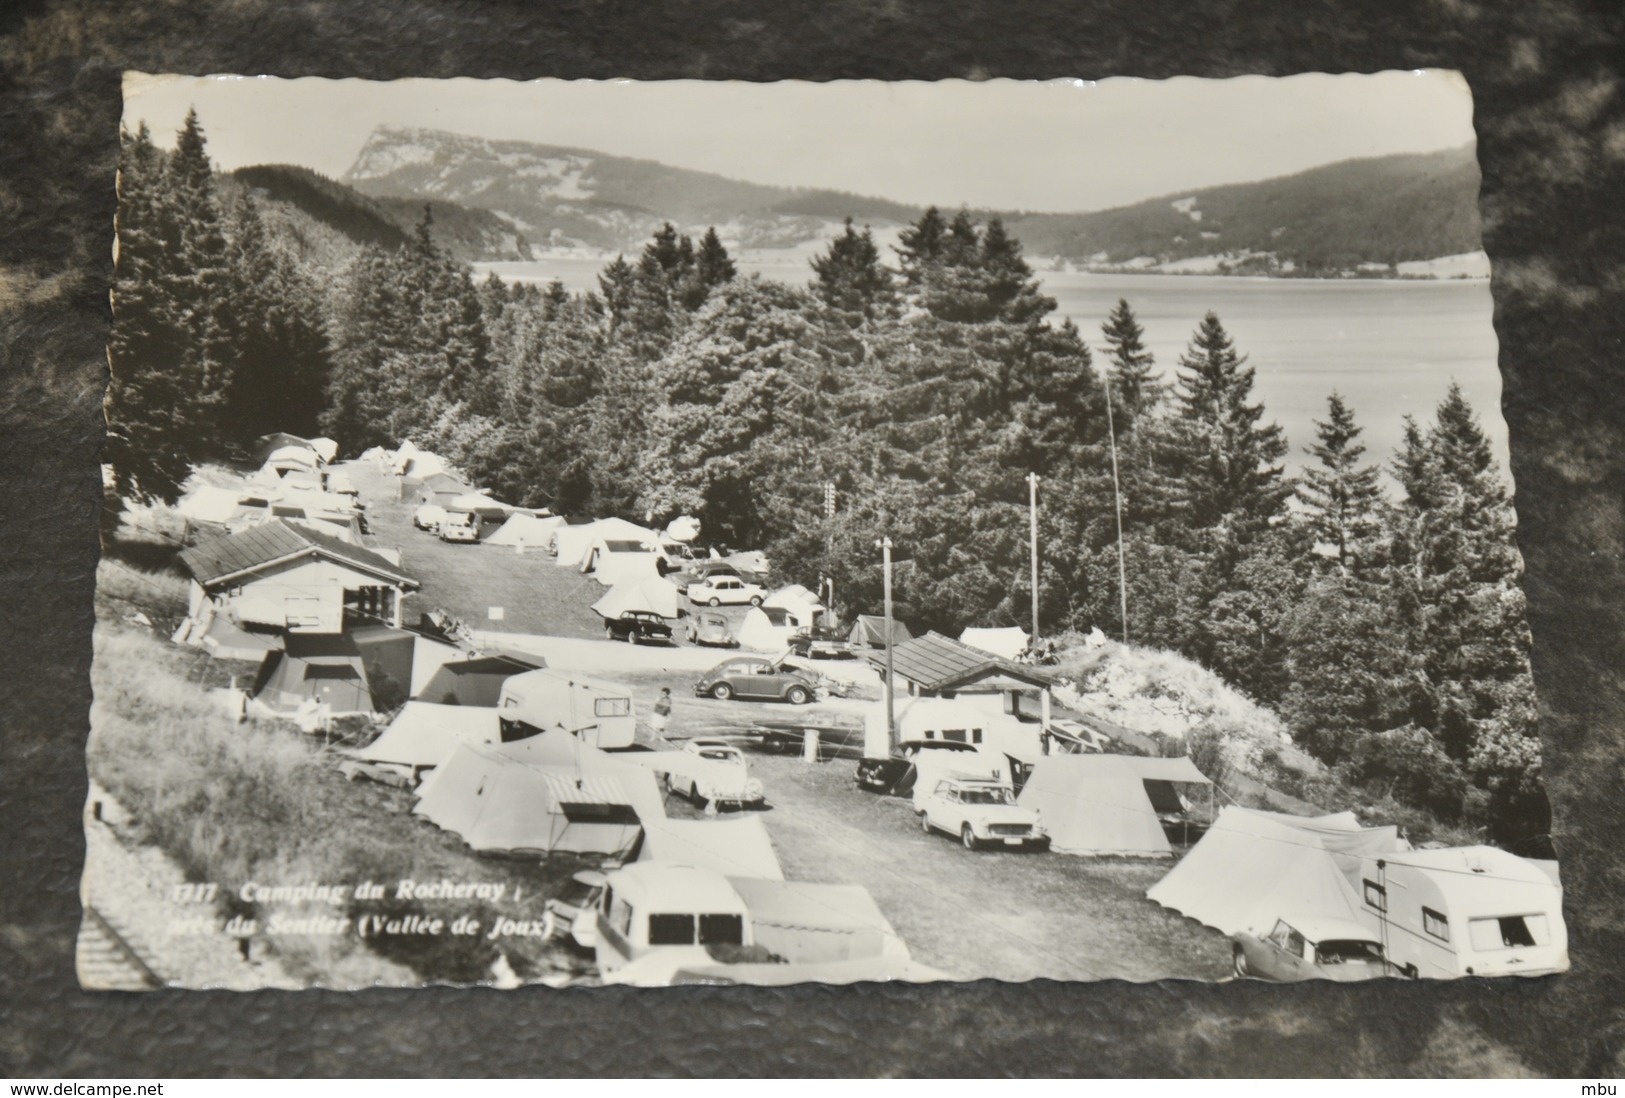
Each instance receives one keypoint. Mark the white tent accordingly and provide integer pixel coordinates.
(614, 561)
(425, 734)
(1007, 643)
(737, 846)
(575, 541)
(1098, 804)
(766, 629)
(548, 793)
(526, 530)
(801, 604)
(1254, 867)
(325, 448)
(652, 593)
(683, 528)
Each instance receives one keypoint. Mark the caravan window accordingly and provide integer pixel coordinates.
(1435, 924)
(1376, 896)
(722, 930)
(1508, 932)
(671, 930)
(611, 707)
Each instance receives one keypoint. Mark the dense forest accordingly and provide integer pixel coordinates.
(1381, 617)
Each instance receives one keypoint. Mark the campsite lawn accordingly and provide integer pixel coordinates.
(1008, 915)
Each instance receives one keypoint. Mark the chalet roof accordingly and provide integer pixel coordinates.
(934, 662)
(247, 551)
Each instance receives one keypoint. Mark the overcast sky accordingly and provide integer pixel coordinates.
(1054, 146)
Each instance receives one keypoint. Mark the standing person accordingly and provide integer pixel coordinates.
(662, 713)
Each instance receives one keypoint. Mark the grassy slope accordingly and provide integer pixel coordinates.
(233, 803)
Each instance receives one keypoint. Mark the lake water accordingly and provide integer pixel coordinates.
(1389, 347)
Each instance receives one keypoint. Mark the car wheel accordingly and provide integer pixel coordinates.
(631, 636)
(722, 691)
(1239, 961)
(756, 600)
(967, 837)
(715, 601)
(925, 823)
(797, 695)
(694, 795)
(608, 632)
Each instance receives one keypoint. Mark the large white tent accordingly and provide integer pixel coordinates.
(651, 593)
(1254, 867)
(613, 561)
(526, 530)
(737, 846)
(574, 542)
(424, 734)
(1098, 804)
(802, 606)
(547, 793)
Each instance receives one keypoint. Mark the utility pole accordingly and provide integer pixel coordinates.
(884, 544)
(1117, 497)
(1032, 511)
(830, 617)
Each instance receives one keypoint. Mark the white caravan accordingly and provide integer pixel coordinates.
(603, 714)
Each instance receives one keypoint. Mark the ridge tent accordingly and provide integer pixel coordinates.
(574, 542)
(738, 846)
(424, 734)
(526, 530)
(210, 503)
(325, 448)
(818, 923)
(1008, 643)
(1100, 804)
(802, 606)
(1254, 867)
(363, 671)
(869, 631)
(476, 681)
(616, 561)
(500, 799)
(652, 594)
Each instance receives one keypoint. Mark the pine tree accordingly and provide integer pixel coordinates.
(713, 265)
(850, 279)
(920, 246)
(1231, 472)
(1137, 389)
(1342, 499)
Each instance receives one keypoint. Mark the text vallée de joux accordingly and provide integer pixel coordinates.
(366, 925)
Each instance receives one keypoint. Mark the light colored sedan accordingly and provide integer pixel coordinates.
(711, 630)
(980, 812)
(725, 591)
(1312, 948)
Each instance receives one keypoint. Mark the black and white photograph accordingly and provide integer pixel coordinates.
(684, 532)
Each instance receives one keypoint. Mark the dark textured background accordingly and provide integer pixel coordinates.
(1551, 123)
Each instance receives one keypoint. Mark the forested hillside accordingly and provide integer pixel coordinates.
(1388, 210)
(1386, 628)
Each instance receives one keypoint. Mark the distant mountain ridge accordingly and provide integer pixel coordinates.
(566, 198)
(1380, 211)
(514, 200)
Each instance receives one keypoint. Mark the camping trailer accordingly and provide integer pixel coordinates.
(602, 714)
(1465, 911)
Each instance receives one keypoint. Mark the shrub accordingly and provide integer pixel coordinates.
(1407, 764)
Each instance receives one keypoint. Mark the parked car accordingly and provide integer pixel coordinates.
(638, 627)
(700, 571)
(896, 774)
(711, 630)
(720, 590)
(570, 912)
(713, 773)
(757, 680)
(428, 517)
(982, 812)
(821, 642)
(461, 526)
(1312, 949)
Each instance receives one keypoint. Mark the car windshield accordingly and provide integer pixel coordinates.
(719, 754)
(986, 795)
(1351, 951)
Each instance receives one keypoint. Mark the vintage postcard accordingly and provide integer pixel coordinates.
(653, 533)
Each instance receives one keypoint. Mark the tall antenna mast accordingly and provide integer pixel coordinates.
(1117, 497)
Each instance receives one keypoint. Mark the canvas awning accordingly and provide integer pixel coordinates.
(424, 734)
(738, 846)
